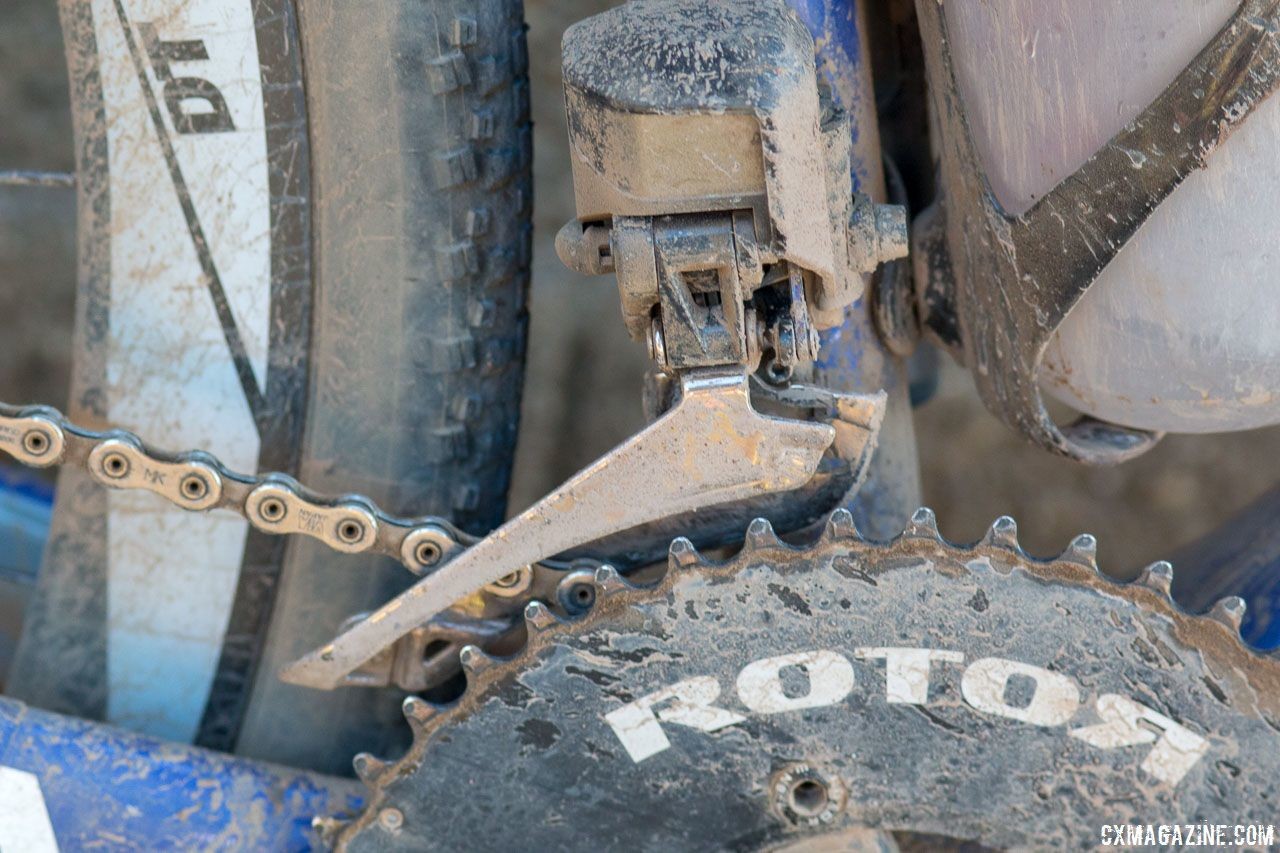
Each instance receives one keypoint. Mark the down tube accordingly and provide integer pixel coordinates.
(852, 357)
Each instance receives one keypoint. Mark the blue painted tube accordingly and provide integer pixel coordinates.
(1241, 557)
(852, 358)
(111, 789)
(26, 506)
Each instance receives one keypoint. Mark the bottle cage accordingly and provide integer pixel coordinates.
(993, 288)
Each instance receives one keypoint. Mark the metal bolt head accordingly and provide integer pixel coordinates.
(777, 373)
(391, 819)
(513, 584)
(806, 796)
(578, 597)
(892, 235)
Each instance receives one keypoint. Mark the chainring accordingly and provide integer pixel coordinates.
(974, 693)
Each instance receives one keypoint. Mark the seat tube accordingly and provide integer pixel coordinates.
(852, 357)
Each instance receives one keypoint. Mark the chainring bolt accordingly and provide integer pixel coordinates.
(806, 796)
(580, 597)
(391, 819)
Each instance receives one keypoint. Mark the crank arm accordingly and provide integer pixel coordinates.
(711, 448)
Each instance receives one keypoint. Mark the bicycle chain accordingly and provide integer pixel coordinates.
(41, 437)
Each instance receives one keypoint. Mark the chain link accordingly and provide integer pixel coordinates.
(41, 437)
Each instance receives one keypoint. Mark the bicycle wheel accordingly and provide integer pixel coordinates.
(304, 244)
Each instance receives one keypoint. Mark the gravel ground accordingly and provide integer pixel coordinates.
(584, 382)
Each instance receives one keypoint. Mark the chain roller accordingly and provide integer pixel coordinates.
(274, 503)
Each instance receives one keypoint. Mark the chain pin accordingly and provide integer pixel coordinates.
(428, 553)
(115, 466)
(350, 531)
(272, 510)
(194, 487)
(36, 442)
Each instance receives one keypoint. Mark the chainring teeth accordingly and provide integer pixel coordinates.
(999, 549)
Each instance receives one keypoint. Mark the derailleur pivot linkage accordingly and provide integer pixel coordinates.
(712, 177)
(712, 174)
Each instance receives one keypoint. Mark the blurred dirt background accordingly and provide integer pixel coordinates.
(583, 394)
(37, 226)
